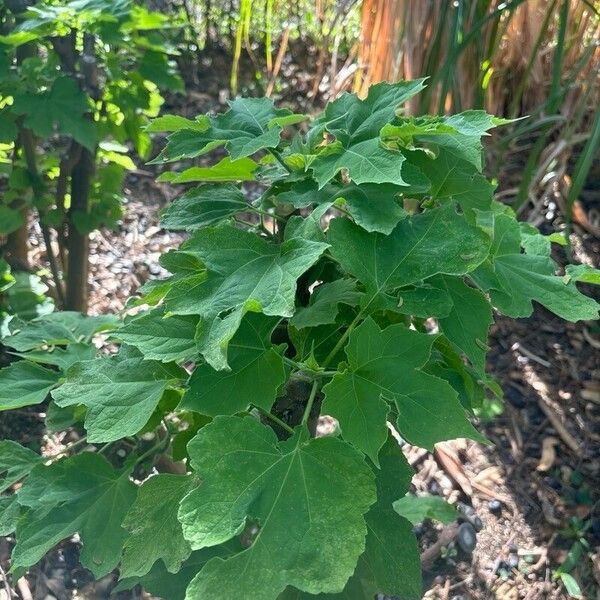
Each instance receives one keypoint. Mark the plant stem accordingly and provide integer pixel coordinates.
(343, 339)
(279, 158)
(161, 445)
(60, 295)
(308, 373)
(292, 363)
(309, 404)
(275, 419)
(37, 186)
(267, 214)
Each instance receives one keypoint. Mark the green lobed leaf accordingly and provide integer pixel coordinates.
(436, 241)
(448, 363)
(533, 242)
(375, 207)
(366, 161)
(390, 564)
(81, 494)
(60, 419)
(25, 383)
(356, 125)
(256, 373)
(309, 227)
(59, 329)
(63, 358)
(515, 279)
(119, 393)
(458, 134)
(226, 169)
(454, 179)
(418, 508)
(316, 343)
(203, 206)
(10, 219)
(16, 462)
(170, 123)
(172, 586)
(424, 301)
(9, 514)
(63, 107)
(245, 273)
(385, 366)
(250, 125)
(160, 337)
(324, 303)
(469, 320)
(582, 273)
(156, 533)
(288, 489)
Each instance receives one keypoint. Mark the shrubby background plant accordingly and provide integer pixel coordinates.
(360, 285)
(78, 81)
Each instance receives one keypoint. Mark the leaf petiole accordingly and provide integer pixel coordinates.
(275, 419)
(279, 159)
(343, 339)
(265, 213)
(309, 404)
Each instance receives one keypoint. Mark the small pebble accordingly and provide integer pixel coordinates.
(553, 483)
(477, 523)
(466, 538)
(465, 509)
(435, 488)
(495, 506)
(154, 269)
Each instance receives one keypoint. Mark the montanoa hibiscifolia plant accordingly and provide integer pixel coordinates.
(361, 285)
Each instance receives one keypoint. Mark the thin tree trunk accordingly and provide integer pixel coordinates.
(28, 145)
(16, 247)
(81, 181)
(78, 243)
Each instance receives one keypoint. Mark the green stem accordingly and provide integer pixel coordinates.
(307, 373)
(275, 419)
(327, 373)
(160, 446)
(343, 339)
(279, 159)
(291, 362)
(309, 404)
(267, 214)
(247, 223)
(152, 450)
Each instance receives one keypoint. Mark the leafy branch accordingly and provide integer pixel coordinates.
(328, 316)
